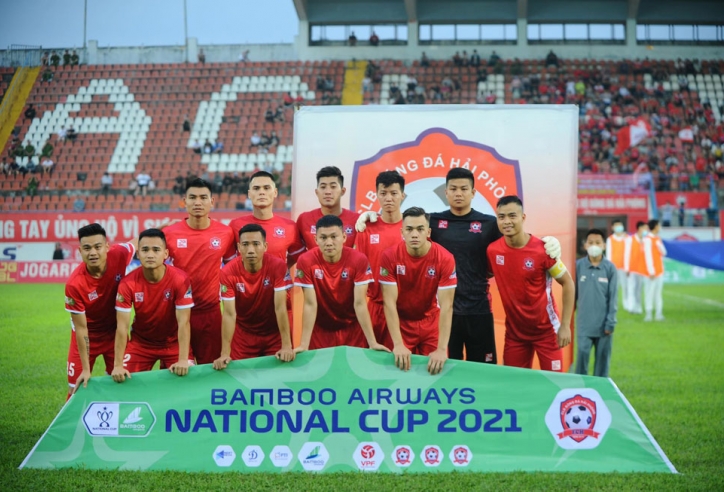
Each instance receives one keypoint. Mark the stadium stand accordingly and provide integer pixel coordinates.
(128, 119)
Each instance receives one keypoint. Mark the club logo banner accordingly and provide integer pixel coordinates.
(346, 409)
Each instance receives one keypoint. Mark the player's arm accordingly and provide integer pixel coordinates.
(286, 354)
(401, 352)
(123, 321)
(612, 302)
(81, 337)
(363, 316)
(560, 273)
(439, 356)
(183, 318)
(228, 324)
(309, 316)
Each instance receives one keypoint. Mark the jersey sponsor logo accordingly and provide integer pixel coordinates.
(224, 289)
(299, 274)
(555, 365)
(93, 296)
(348, 230)
(431, 271)
(119, 298)
(188, 294)
(313, 229)
(280, 232)
(215, 243)
(138, 296)
(374, 239)
(476, 227)
(167, 295)
(499, 260)
(345, 274)
(181, 243)
(369, 270)
(489, 357)
(400, 269)
(384, 272)
(442, 224)
(71, 302)
(288, 276)
(241, 287)
(318, 273)
(425, 177)
(528, 264)
(453, 275)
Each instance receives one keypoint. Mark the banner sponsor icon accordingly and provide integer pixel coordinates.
(224, 456)
(403, 456)
(313, 456)
(460, 455)
(281, 456)
(253, 456)
(110, 419)
(578, 418)
(368, 456)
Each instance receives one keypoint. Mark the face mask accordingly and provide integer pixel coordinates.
(618, 228)
(594, 251)
(645, 233)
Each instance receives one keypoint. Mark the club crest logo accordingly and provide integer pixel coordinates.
(528, 264)
(345, 274)
(348, 230)
(118, 277)
(424, 163)
(431, 271)
(476, 227)
(215, 243)
(403, 456)
(167, 295)
(267, 281)
(431, 456)
(280, 232)
(578, 418)
(461, 455)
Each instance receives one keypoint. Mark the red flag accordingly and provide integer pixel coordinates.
(686, 134)
(632, 135)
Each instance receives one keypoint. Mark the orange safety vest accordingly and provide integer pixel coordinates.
(654, 252)
(615, 247)
(634, 261)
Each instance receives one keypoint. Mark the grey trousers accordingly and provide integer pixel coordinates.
(603, 354)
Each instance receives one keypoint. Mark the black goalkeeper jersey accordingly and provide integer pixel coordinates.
(467, 237)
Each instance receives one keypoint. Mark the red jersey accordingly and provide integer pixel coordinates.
(281, 234)
(155, 304)
(418, 279)
(254, 293)
(307, 225)
(376, 238)
(334, 284)
(199, 253)
(96, 297)
(525, 287)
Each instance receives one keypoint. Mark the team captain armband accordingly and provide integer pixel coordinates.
(558, 269)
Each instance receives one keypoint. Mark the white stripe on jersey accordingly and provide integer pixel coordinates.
(552, 316)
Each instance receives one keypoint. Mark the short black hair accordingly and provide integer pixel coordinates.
(652, 224)
(330, 172)
(330, 221)
(198, 183)
(262, 174)
(595, 231)
(416, 212)
(252, 228)
(640, 224)
(617, 221)
(460, 173)
(91, 230)
(388, 178)
(509, 199)
(152, 233)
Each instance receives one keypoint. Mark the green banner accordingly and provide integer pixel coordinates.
(346, 409)
(676, 272)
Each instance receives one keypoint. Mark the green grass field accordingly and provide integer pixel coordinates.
(671, 372)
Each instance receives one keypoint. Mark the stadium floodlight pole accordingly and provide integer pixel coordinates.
(186, 34)
(85, 22)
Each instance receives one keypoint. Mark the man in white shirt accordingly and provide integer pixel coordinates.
(143, 179)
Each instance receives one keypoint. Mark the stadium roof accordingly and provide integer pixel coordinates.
(509, 11)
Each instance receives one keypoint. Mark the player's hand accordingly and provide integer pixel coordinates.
(564, 336)
(402, 357)
(606, 332)
(120, 374)
(553, 247)
(300, 349)
(83, 378)
(181, 368)
(286, 354)
(378, 346)
(222, 362)
(437, 361)
(361, 224)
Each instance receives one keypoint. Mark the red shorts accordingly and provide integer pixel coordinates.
(206, 334)
(246, 345)
(352, 336)
(519, 353)
(141, 357)
(100, 346)
(421, 336)
(379, 324)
